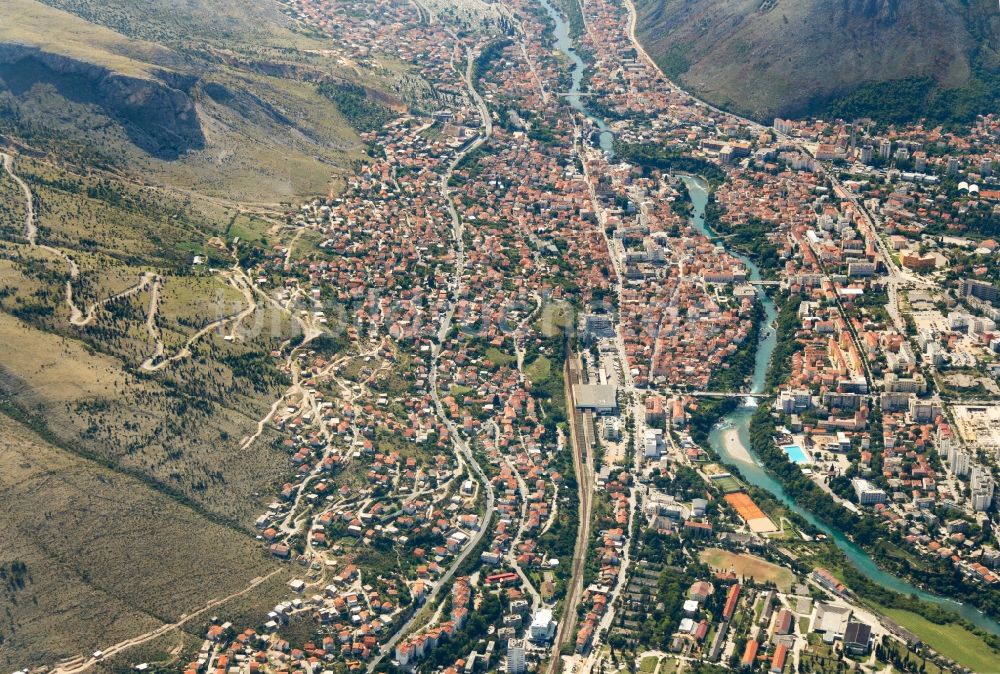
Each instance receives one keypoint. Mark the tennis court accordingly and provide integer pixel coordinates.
(755, 518)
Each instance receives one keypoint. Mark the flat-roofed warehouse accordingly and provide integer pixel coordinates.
(597, 398)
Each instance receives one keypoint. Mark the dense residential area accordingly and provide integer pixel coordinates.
(573, 372)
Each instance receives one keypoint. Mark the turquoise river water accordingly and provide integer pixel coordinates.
(740, 418)
(756, 475)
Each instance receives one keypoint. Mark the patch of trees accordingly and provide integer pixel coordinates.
(330, 344)
(651, 156)
(476, 628)
(551, 387)
(911, 99)
(786, 325)
(571, 8)
(490, 54)
(14, 575)
(671, 590)
(363, 113)
(979, 220)
(560, 540)
(750, 238)
(685, 484)
(710, 410)
(740, 365)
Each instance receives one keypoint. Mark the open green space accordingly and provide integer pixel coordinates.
(950, 640)
(539, 369)
(498, 357)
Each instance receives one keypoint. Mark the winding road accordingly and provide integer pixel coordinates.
(462, 449)
(156, 361)
(30, 228)
(77, 317)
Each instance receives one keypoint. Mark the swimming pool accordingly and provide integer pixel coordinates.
(795, 453)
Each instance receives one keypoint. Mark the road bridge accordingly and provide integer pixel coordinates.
(666, 390)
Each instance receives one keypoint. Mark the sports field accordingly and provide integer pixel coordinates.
(755, 518)
(727, 483)
(721, 476)
(748, 566)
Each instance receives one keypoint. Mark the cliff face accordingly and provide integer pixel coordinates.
(787, 57)
(158, 118)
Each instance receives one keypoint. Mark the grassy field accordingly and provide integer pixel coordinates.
(106, 556)
(556, 318)
(952, 641)
(915, 662)
(748, 566)
(191, 302)
(670, 666)
(498, 357)
(249, 228)
(538, 369)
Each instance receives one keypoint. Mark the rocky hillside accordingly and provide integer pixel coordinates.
(894, 59)
(159, 118)
(230, 99)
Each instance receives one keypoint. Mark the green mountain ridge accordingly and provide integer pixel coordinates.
(890, 59)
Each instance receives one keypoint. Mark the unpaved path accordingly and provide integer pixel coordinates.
(78, 665)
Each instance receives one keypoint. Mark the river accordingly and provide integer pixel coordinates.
(740, 418)
(756, 475)
(564, 43)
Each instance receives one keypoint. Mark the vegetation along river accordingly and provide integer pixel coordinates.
(740, 418)
(564, 43)
(756, 475)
